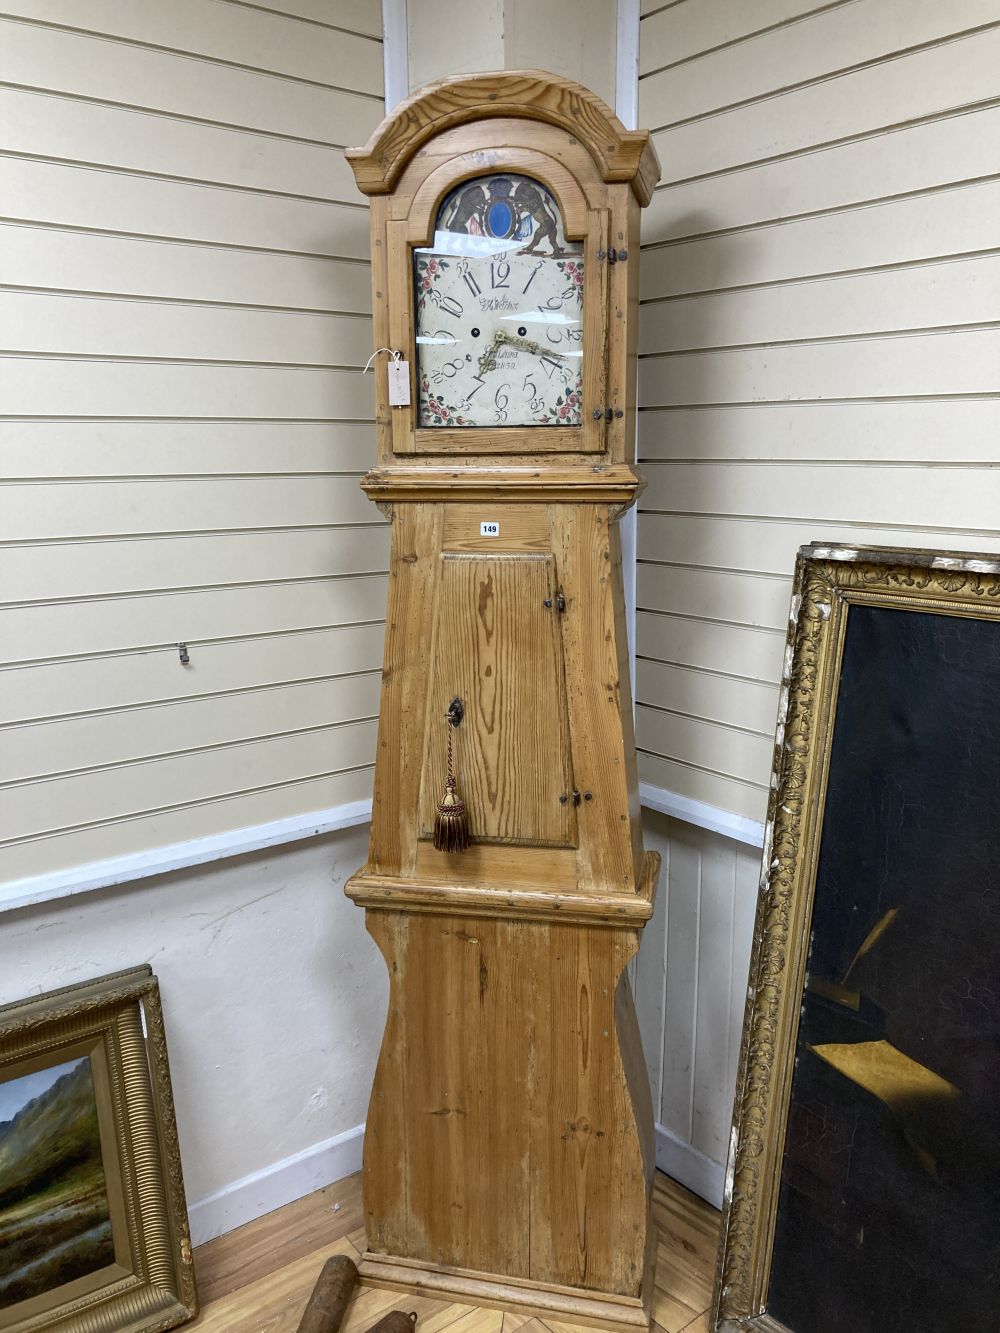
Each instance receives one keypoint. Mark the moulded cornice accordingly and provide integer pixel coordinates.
(623, 156)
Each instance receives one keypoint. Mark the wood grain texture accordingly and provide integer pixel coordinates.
(521, 528)
(624, 155)
(436, 892)
(416, 540)
(497, 647)
(514, 1141)
(467, 625)
(262, 1274)
(534, 1163)
(502, 865)
(509, 1151)
(597, 681)
(532, 478)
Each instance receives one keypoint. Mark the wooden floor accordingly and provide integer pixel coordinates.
(259, 1278)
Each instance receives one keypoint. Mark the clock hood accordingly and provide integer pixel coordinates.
(622, 156)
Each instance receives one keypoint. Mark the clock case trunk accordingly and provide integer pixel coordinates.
(509, 1144)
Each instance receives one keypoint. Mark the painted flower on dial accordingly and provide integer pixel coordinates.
(428, 270)
(565, 408)
(435, 411)
(573, 270)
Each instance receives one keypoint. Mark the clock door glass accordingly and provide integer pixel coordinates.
(499, 309)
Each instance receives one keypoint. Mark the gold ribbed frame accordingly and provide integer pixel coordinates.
(151, 1286)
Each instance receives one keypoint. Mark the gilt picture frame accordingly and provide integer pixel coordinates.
(864, 1173)
(93, 1226)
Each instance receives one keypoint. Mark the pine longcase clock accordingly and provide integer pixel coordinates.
(508, 1153)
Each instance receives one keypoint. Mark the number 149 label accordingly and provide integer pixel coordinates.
(491, 529)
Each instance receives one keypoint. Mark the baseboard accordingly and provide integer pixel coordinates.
(35, 889)
(693, 1170)
(702, 815)
(274, 1186)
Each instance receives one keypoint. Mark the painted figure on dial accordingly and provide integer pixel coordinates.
(499, 309)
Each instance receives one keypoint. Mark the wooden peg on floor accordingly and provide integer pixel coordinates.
(395, 1322)
(331, 1293)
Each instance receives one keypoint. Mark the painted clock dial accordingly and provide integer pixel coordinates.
(499, 309)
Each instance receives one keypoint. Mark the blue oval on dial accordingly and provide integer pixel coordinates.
(500, 218)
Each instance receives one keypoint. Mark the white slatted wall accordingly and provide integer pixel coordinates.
(184, 299)
(690, 989)
(820, 335)
(820, 343)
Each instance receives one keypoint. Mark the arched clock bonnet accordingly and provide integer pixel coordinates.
(545, 156)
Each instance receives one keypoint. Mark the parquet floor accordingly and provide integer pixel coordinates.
(258, 1279)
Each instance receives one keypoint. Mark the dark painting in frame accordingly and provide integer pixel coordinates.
(863, 1187)
(93, 1227)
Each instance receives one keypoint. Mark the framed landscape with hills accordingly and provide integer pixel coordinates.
(93, 1227)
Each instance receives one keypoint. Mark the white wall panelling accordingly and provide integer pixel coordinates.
(819, 348)
(820, 361)
(690, 990)
(574, 38)
(184, 312)
(37, 889)
(627, 111)
(394, 44)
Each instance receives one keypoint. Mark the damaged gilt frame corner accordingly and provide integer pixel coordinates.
(864, 1169)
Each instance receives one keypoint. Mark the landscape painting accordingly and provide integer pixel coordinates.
(55, 1222)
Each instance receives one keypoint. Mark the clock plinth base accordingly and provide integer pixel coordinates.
(572, 1305)
(509, 1146)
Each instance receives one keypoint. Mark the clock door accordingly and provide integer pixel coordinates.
(508, 324)
(497, 647)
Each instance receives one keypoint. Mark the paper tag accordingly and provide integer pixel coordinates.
(399, 383)
(489, 529)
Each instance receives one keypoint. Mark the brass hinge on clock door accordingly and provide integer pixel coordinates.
(575, 797)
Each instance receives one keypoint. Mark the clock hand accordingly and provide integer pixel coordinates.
(488, 360)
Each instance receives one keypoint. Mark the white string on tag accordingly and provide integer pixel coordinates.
(389, 351)
(398, 376)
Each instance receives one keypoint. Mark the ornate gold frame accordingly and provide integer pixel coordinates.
(828, 580)
(151, 1286)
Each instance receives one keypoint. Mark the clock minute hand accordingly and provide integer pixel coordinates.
(528, 345)
(488, 360)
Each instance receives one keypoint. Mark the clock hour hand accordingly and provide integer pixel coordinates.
(488, 360)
